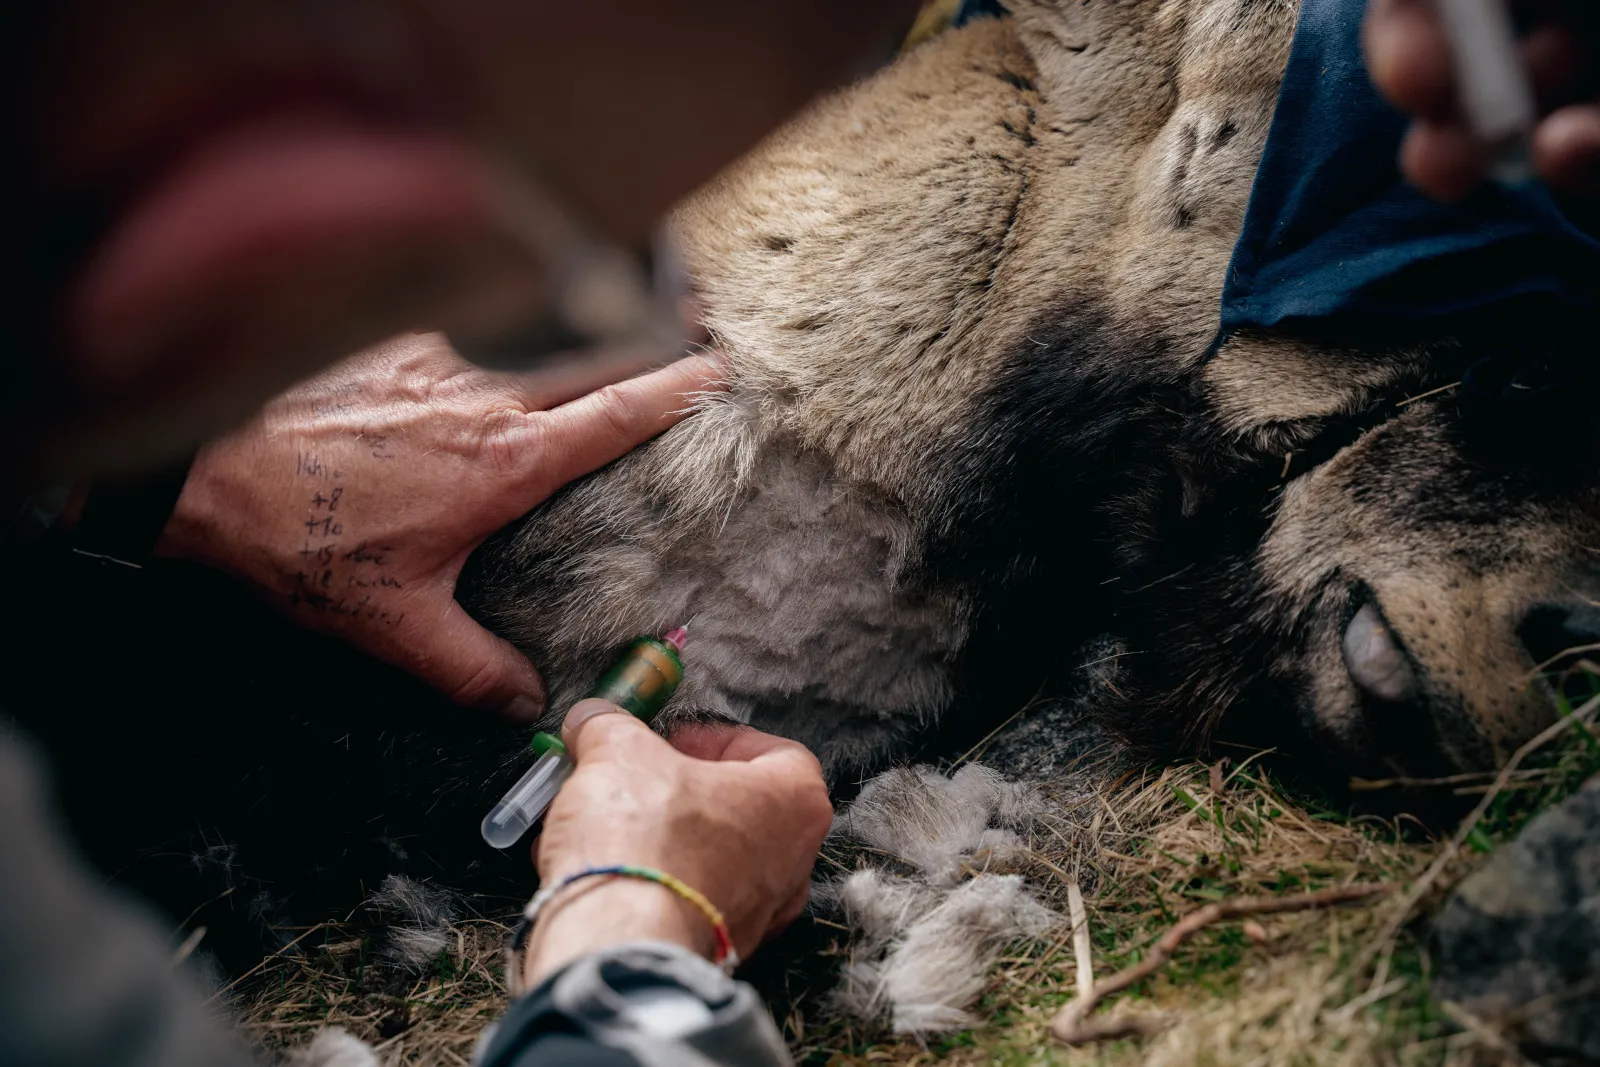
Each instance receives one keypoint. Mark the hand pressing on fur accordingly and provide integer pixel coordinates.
(1410, 60)
(352, 501)
(733, 812)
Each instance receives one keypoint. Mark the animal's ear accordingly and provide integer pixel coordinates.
(1270, 395)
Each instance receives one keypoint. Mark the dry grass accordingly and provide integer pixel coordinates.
(1154, 849)
(429, 1018)
(1335, 988)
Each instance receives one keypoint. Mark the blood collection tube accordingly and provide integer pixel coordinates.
(640, 683)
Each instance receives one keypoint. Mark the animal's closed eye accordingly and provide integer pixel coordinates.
(1374, 659)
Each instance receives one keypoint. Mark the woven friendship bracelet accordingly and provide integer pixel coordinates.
(726, 957)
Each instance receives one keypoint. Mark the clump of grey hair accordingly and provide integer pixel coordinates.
(935, 823)
(925, 941)
(333, 1047)
(419, 917)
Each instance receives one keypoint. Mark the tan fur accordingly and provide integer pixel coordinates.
(1057, 194)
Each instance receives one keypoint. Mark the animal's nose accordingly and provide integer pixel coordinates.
(1561, 636)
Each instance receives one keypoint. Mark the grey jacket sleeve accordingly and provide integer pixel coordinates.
(85, 978)
(644, 1004)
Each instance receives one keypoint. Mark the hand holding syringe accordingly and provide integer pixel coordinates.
(1488, 101)
(641, 683)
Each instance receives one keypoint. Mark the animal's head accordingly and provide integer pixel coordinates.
(1325, 534)
(1401, 582)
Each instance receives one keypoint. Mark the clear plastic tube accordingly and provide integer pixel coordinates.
(640, 682)
(526, 802)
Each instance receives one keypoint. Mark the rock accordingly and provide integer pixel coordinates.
(1518, 945)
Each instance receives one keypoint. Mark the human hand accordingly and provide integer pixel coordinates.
(213, 201)
(1410, 60)
(733, 812)
(353, 500)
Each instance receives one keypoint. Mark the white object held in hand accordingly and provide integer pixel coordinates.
(1496, 96)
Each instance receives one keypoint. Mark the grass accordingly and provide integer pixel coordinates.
(433, 1017)
(1170, 843)
(1311, 989)
(1346, 986)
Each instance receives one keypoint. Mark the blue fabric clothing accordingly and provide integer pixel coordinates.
(971, 9)
(1334, 234)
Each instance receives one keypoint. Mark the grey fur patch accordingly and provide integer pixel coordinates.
(935, 823)
(333, 1047)
(925, 952)
(419, 916)
(806, 619)
(925, 943)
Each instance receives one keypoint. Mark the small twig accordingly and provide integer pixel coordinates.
(1482, 1032)
(1121, 1025)
(1575, 650)
(278, 955)
(1372, 785)
(1069, 1024)
(990, 735)
(1216, 778)
(1408, 401)
(1081, 946)
(187, 919)
(190, 943)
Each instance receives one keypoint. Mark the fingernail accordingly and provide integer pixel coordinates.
(524, 708)
(582, 712)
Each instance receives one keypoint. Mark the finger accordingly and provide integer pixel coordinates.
(597, 729)
(445, 647)
(577, 374)
(717, 741)
(1444, 160)
(582, 712)
(1558, 64)
(1566, 149)
(791, 910)
(1408, 56)
(574, 439)
(779, 767)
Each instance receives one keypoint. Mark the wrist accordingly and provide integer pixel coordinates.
(590, 917)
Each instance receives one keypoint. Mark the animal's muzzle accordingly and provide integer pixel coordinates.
(1564, 641)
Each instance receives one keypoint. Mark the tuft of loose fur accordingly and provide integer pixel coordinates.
(333, 1047)
(926, 942)
(934, 823)
(419, 915)
(926, 951)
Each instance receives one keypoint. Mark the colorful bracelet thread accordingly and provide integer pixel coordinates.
(726, 957)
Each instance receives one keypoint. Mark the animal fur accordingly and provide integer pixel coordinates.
(333, 1047)
(925, 941)
(973, 423)
(416, 917)
(976, 453)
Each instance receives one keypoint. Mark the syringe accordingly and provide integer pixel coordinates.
(641, 683)
(1496, 95)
